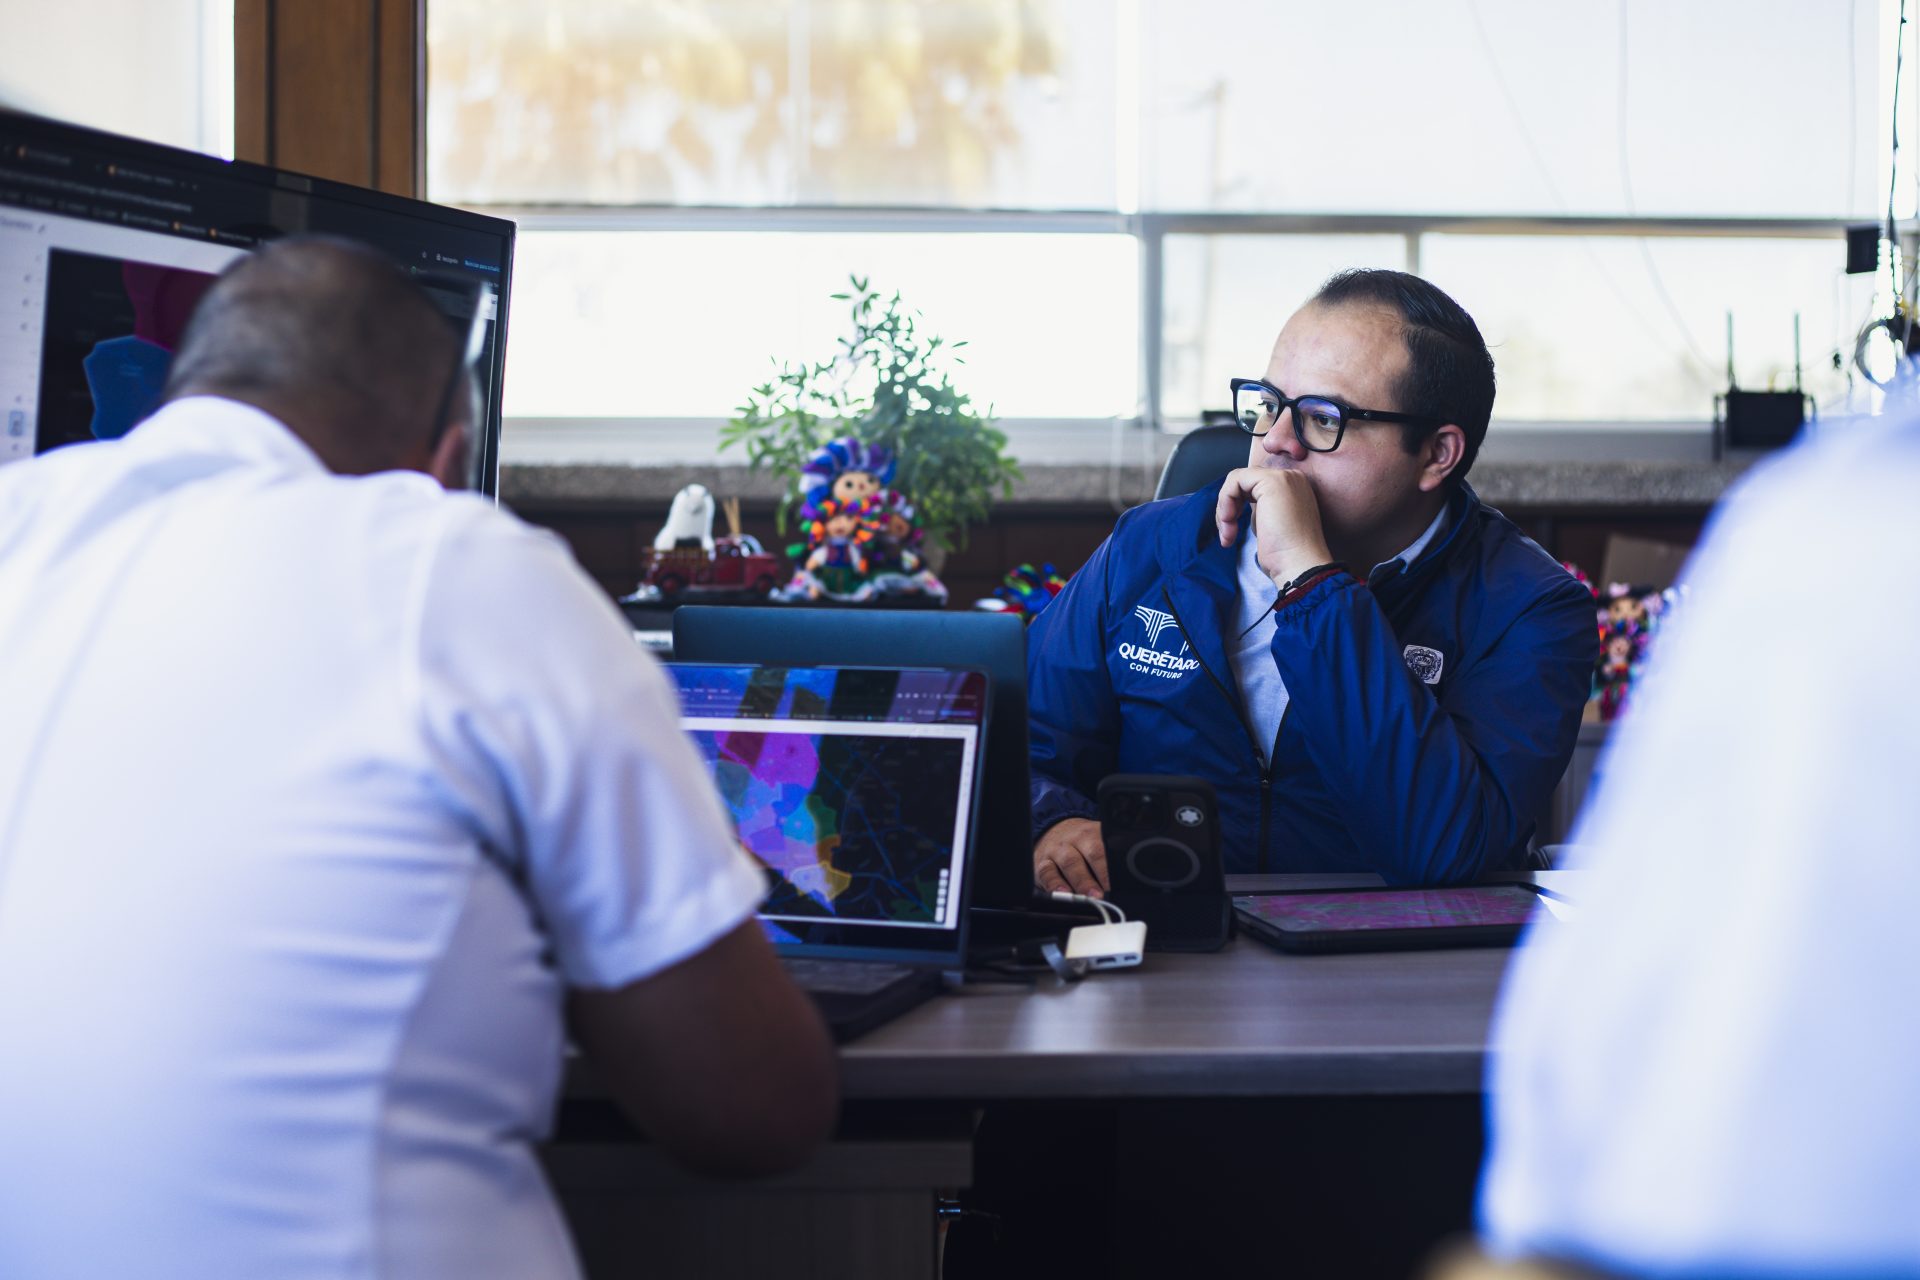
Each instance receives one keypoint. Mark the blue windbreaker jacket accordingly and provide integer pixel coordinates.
(1425, 778)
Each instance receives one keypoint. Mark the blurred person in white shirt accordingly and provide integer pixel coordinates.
(1713, 1069)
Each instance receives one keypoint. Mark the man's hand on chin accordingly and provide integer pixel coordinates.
(1286, 519)
(1071, 858)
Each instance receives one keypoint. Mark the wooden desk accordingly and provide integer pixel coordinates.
(1247, 1023)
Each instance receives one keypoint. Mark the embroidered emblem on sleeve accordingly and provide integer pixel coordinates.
(1425, 663)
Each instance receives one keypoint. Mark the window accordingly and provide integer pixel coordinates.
(1625, 329)
(1226, 297)
(155, 69)
(1117, 202)
(680, 324)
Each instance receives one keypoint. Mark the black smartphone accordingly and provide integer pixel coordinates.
(1162, 836)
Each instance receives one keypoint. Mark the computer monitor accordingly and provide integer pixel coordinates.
(107, 244)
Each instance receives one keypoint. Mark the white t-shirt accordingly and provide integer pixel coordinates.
(1714, 1067)
(315, 793)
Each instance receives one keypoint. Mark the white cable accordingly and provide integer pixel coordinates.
(1098, 904)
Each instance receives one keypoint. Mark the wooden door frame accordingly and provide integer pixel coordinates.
(333, 88)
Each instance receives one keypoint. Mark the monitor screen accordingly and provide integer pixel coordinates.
(107, 244)
(854, 788)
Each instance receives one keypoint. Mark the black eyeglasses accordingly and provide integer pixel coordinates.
(1318, 421)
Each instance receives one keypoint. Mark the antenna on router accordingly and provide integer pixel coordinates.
(1796, 351)
(1754, 420)
(1733, 383)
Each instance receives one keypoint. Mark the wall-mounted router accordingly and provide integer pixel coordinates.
(1748, 422)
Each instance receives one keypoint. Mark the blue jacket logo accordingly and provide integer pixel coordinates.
(1156, 622)
(1149, 658)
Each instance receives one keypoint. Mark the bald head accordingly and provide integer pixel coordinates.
(336, 342)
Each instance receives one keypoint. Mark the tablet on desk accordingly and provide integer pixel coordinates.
(1388, 919)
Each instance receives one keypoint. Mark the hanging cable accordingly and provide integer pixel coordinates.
(1893, 173)
(1626, 191)
(1518, 116)
(1608, 277)
(1898, 325)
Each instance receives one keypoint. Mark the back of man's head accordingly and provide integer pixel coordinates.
(336, 342)
(1449, 369)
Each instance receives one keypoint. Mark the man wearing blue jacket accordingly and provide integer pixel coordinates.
(1375, 670)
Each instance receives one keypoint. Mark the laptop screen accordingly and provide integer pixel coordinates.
(856, 789)
(795, 635)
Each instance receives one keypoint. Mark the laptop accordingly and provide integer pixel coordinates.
(858, 790)
(989, 642)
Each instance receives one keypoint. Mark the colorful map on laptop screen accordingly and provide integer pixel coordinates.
(853, 787)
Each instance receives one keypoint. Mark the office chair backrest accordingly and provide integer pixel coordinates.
(1201, 457)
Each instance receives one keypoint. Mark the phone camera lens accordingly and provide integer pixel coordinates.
(1149, 808)
(1134, 809)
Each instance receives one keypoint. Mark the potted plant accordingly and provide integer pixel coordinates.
(885, 386)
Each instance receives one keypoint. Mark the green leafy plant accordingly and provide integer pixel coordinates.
(884, 386)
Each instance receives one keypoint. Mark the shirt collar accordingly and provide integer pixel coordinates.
(1414, 548)
(215, 424)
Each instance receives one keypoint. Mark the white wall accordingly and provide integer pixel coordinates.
(155, 69)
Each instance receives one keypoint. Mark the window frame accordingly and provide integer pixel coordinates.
(1150, 231)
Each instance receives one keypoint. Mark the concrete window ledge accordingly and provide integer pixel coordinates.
(1510, 484)
(601, 462)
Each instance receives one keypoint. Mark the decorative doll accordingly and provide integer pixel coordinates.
(846, 471)
(863, 538)
(838, 537)
(1619, 664)
(900, 571)
(1629, 618)
(897, 531)
(1626, 609)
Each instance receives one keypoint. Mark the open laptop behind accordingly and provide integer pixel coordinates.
(990, 642)
(857, 789)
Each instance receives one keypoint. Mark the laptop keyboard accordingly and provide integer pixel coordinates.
(845, 977)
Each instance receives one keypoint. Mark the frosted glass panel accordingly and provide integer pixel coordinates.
(963, 103)
(1515, 106)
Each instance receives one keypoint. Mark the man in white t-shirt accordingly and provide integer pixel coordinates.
(321, 791)
(1713, 1069)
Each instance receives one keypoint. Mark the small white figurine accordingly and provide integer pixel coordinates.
(689, 521)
